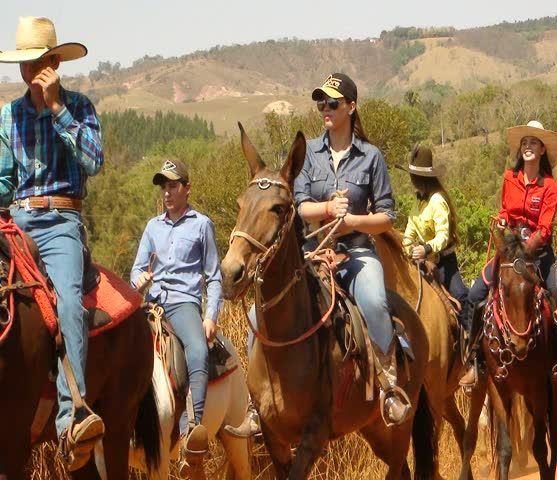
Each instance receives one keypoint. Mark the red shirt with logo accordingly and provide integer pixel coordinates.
(529, 205)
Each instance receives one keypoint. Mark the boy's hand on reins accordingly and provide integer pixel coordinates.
(143, 281)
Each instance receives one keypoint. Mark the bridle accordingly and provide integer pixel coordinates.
(497, 325)
(262, 262)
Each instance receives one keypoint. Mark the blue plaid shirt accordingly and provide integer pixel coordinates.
(46, 154)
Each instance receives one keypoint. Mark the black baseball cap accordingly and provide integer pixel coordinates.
(337, 85)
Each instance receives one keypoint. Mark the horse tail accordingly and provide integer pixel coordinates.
(423, 438)
(148, 430)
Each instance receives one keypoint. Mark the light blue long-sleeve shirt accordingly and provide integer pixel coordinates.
(186, 260)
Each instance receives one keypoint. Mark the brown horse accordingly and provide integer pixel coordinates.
(119, 368)
(517, 346)
(295, 387)
(444, 366)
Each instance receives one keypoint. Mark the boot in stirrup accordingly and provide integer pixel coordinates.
(249, 427)
(395, 404)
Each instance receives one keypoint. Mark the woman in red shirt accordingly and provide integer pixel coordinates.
(528, 204)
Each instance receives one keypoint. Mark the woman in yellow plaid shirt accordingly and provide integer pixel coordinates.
(431, 230)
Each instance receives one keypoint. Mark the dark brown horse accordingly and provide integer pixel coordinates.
(296, 387)
(118, 376)
(518, 348)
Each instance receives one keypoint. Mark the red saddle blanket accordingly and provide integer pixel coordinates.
(113, 296)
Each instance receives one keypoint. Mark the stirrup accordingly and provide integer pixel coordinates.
(78, 440)
(467, 387)
(193, 449)
(394, 392)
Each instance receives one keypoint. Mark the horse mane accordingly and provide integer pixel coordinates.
(513, 247)
(393, 239)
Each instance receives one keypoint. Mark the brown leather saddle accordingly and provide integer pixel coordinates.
(220, 360)
(350, 327)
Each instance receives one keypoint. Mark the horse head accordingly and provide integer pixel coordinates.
(266, 209)
(517, 288)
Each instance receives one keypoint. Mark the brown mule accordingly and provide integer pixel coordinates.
(118, 377)
(295, 388)
(518, 346)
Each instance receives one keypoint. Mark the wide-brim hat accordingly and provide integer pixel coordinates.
(36, 38)
(534, 129)
(421, 163)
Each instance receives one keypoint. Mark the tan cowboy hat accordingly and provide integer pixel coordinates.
(36, 38)
(421, 163)
(534, 129)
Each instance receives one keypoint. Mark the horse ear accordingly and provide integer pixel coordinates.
(254, 160)
(295, 160)
(498, 239)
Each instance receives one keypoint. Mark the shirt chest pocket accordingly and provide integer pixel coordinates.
(187, 248)
(318, 185)
(535, 203)
(358, 187)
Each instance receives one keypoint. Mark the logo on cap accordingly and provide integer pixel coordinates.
(169, 167)
(332, 82)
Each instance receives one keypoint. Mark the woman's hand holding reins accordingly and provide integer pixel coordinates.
(337, 206)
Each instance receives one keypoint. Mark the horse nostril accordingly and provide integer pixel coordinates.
(238, 274)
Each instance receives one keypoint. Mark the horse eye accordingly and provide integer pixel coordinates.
(278, 209)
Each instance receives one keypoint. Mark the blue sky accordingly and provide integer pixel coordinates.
(124, 30)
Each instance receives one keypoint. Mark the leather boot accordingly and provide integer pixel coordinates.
(475, 324)
(78, 440)
(394, 401)
(249, 427)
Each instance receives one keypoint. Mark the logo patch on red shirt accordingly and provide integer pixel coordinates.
(535, 203)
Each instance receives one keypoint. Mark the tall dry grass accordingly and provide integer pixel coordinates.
(349, 458)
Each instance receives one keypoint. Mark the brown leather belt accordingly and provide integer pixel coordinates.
(49, 203)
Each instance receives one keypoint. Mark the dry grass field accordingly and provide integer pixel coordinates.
(347, 459)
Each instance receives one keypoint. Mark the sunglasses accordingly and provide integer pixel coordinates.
(332, 103)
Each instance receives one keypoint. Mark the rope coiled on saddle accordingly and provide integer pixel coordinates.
(23, 262)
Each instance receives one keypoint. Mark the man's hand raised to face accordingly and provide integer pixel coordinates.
(49, 81)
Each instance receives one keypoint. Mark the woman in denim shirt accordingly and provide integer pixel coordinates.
(343, 160)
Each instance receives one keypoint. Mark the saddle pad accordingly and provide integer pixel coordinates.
(113, 296)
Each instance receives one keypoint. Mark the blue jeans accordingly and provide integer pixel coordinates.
(544, 262)
(362, 276)
(185, 318)
(452, 280)
(59, 236)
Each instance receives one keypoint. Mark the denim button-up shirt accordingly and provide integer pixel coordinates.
(362, 171)
(186, 260)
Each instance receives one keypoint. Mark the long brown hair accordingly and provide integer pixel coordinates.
(357, 127)
(426, 187)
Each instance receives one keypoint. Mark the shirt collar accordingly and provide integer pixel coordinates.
(28, 104)
(324, 145)
(190, 212)
(539, 179)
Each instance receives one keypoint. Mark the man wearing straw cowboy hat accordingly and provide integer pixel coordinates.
(528, 204)
(49, 144)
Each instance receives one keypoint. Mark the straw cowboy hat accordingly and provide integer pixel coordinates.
(534, 129)
(421, 163)
(36, 38)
